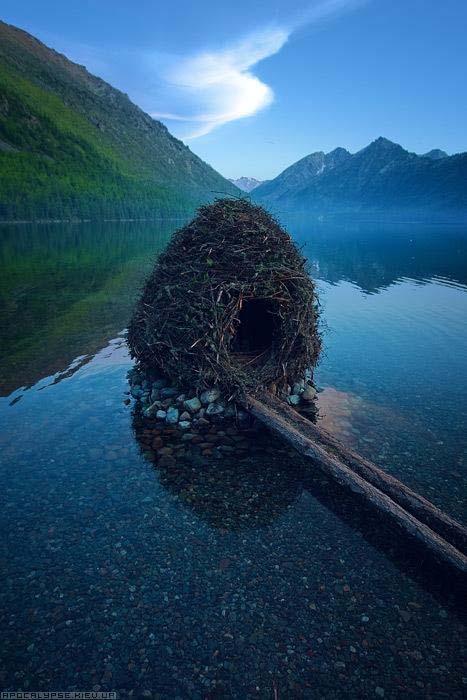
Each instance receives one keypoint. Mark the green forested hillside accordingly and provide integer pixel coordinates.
(71, 146)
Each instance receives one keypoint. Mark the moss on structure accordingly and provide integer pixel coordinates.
(229, 303)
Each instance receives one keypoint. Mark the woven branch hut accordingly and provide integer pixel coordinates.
(229, 304)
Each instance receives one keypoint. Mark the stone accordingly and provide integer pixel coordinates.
(165, 451)
(184, 424)
(172, 416)
(379, 691)
(405, 615)
(298, 387)
(155, 395)
(193, 405)
(227, 449)
(136, 391)
(181, 399)
(309, 393)
(134, 376)
(159, 383)
(293, 399)
(214, 409)
(161, 415)
(209, 396)
(169, 392)
(151, 410)
(185, 416)
(166, 461)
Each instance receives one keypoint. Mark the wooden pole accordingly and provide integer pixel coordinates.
(310, 441)
(419, 506)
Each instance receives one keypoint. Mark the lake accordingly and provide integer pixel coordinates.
(254, 578)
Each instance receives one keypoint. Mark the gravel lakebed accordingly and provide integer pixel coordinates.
(202, 561)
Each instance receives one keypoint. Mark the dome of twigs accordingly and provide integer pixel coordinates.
(228, 303)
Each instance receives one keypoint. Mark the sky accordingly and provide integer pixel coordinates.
(253, 86)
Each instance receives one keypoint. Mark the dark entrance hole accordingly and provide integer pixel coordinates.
(256, 328)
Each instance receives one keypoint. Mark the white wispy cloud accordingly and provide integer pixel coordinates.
(200, 92)
(212, 88)
(220, 83)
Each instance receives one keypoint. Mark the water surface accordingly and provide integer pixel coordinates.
(249, 579)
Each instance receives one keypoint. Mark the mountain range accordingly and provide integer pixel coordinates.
(71, 145)
(246, 184)
(381, 178)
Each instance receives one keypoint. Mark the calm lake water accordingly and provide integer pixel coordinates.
(255, 578)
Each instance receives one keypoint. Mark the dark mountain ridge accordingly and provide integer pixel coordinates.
(381, 178)
(71, 145)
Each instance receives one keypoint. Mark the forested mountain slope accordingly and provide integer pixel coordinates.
(73, 146)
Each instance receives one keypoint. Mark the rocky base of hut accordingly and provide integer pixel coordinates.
(173, 418)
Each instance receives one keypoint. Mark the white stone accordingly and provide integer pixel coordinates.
(209, 396)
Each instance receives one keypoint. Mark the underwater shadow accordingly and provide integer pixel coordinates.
(252, 490)
(445, 585)
(230, 491)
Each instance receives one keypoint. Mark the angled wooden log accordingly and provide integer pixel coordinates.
(294, 428)
(411, 501)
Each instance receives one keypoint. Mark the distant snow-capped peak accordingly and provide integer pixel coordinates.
(247, 184)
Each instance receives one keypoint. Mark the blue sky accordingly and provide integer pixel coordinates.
(253, 86)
